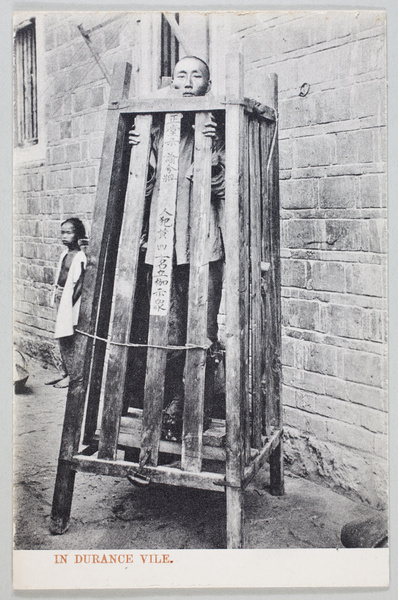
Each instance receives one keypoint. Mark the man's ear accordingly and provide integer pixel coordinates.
(208, 87)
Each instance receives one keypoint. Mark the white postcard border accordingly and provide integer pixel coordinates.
(102, 569)
(358, 565)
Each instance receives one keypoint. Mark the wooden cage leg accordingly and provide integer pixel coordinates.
(236, 288)
(74, 409)
(105, 203)
(277, 485)
(235, 518)
(63, 495)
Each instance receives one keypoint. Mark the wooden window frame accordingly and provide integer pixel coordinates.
(25, 84)
(169, 50)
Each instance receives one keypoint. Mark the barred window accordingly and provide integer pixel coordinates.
(169, 54)
(25, 84)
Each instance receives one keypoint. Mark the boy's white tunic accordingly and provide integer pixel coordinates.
(68, 314)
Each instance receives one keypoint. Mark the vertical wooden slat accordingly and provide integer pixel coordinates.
(271, 250)
(107, 196)
(245, 306)
(119, 187)
(106, 201)
(106, 273)
(99, 346)
(195, 365)
(255, 261)
(235, 121)
(275, 268)
(271, 224)
(266, 383)
(160, 295)
(124, 290)
(271, 302)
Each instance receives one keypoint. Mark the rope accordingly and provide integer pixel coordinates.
(132, 345)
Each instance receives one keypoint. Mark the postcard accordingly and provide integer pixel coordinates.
(200, 299)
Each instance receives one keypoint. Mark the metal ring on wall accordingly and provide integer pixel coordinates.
(305, 88)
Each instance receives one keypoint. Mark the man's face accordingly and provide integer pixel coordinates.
(191, 78)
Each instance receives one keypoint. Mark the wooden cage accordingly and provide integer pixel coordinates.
(98, 427)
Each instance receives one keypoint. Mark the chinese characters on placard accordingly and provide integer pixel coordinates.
(161, 277)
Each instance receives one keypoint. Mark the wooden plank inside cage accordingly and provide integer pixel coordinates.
(124, 290)
(255, 282)
(160, 293)
(195, 365)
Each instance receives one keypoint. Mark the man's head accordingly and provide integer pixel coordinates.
(191, 77)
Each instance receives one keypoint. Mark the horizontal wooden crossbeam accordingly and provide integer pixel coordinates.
(200, 103)
(168, 105)
(161, 474)
(173, 475)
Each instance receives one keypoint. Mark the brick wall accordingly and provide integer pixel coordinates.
(334, 237)
(333, 209)
(63, 184)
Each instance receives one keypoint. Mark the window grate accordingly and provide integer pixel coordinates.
(170, 48)
(25, 85)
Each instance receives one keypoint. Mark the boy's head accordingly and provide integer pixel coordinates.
(191, 77)
(72, 230)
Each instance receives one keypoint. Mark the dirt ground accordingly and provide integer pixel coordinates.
(109, 513)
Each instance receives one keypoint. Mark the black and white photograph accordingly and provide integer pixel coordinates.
(200, 313)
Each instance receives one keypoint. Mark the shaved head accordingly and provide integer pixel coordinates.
(191, 77)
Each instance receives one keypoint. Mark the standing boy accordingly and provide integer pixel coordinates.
(67, 294)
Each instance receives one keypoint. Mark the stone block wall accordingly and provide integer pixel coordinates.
(63, 183)
(332, 135)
